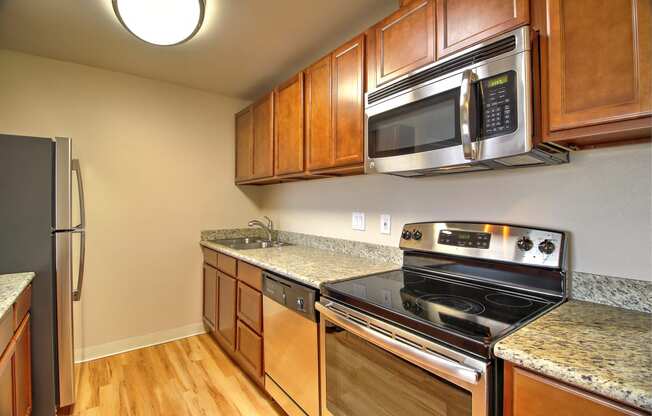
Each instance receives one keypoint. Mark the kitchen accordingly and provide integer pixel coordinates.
(254, 219)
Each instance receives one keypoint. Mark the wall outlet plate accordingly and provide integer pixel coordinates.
(385, 224)
(357, 221)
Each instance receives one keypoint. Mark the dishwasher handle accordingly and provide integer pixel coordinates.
(294, 296)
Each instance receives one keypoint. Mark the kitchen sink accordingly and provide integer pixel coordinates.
(249, 243)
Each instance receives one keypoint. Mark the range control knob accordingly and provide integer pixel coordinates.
(416, 234)
(524, 244)
(406, 235)
(547, 247)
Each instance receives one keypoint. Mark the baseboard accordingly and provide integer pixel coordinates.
(134, 343)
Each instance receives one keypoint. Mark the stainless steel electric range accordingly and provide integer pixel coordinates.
(418, 341)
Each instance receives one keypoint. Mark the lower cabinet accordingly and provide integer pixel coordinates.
(234, 302)
(530, 394)
(226, 301)
(15, 360)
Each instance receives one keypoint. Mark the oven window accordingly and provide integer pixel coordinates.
(429, 124)
(363, 379)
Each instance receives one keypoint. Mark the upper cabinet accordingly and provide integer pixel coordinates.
(462, 23)
(403, 42)
(288, 118)
(263, 151)
(244, 140)
(335, 108)
(595, 70)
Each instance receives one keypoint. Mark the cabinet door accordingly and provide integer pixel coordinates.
(405, 41)
(210, 296)
(250, 307)
(529, 394)
(244, 137)
(263, 159)
(226, 288)
(348, 104)
(598, 62)
(289, 126)
(6, 387)
(250, 350)
(461, 23)
(23, 370)
(319, 137)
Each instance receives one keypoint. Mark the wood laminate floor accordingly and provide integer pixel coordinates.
(191, 376)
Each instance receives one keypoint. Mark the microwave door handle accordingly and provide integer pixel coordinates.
(465, 114)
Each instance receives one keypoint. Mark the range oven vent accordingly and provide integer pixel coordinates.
(500, 47)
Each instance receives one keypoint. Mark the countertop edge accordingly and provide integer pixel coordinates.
(17, 282)
(272, 268)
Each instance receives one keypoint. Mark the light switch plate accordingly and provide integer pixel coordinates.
(385, 224)
(357, 221)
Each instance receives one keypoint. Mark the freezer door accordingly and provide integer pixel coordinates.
(63, 237)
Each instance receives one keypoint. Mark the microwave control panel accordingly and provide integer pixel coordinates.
(499, 104)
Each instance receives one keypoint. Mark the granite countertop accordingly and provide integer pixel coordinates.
(11, 286)
(312, 266)
(602, 349)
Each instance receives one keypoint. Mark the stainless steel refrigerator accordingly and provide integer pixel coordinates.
(36, 234)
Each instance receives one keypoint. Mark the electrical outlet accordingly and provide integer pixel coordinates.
(357, 221)
(385, 224)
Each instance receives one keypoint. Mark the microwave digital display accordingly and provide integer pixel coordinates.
(494, 82)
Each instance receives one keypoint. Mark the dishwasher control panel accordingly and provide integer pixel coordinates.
(290, 294)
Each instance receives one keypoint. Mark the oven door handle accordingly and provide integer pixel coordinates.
(427, 360)
(465, 114)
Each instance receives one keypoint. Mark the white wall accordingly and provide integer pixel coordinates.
(602, 198)
(158, 165)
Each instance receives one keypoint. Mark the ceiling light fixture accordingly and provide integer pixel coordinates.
(161, 22)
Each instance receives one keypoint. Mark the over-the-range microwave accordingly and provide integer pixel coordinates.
(471, 111)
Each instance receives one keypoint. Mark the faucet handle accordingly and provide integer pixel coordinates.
(270, 223)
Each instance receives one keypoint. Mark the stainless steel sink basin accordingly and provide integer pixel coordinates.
(249, 243)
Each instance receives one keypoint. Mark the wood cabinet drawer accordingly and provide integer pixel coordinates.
(251, 275)
(227, 264)
(210, 256)
(250, 307)
(22, 305)
(249, 351)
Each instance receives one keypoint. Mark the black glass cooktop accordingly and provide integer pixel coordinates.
(467, 315)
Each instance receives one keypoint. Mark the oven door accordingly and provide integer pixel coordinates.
(368, 367)
(476, 113)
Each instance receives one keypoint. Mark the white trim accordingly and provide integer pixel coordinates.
(134, 343)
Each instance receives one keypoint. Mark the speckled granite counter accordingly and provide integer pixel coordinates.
(599, 348)
(309, 265)
(11, 286)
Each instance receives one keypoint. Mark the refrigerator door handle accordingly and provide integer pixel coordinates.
(81, 229)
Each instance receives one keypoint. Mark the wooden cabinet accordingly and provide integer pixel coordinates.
(249, 352)
(288, 119)
(462, 23)
(595, 70)
(335, 108)
(210, 297)
(529, 394)
(226, 310)
(319, 122)
(15, 359)
(23, 370)
(403, 42)
(263, 147)
(250, 307)
(244, 141)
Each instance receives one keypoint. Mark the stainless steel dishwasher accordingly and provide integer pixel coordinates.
(290, 324)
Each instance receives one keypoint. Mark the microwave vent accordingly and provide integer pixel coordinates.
(522, 160)
(484, 53)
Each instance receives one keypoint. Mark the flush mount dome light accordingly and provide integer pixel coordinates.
(161, 22)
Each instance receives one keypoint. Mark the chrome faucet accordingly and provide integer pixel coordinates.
(269, 228)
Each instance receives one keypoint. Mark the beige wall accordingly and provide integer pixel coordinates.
(158, 165)
(602, 198)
